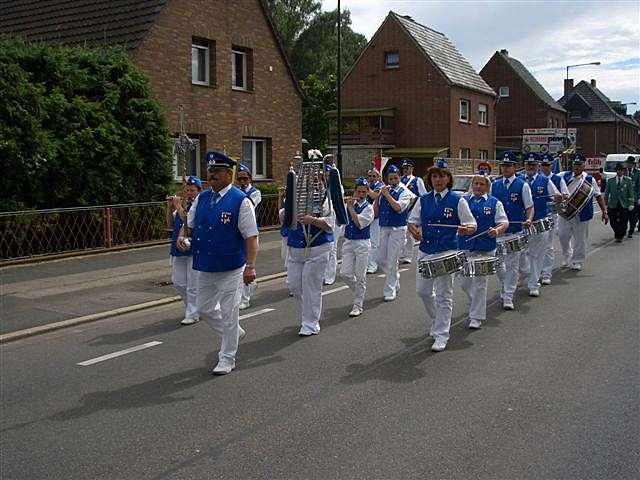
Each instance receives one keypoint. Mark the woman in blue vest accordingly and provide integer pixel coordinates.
(578, 227)
(243, 178)
(515, 195)
(375, 184)
(392, 209)
(542, 192)
(183, 276)
(439, 207)
(546, 162)
(415, 186)
(355, 249)
(224, 241)
(491, 219)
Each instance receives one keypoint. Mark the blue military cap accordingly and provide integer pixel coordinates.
(441, 163)
(217, 159)
(407, 162)
(393, 169)
(547, 159)
(532, 158)
(194, 180)
(244, 169)
(578, 159)
(507, 158)
(482, 172)
(361, 182)
(328, 167)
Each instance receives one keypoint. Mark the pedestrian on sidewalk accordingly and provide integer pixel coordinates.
(619, 197)
(183, 277)
(224, 240)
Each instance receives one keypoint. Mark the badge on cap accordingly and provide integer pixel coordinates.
(219, 159)
(361, 182)
(194, 180)
(393, 169)
(441, 163)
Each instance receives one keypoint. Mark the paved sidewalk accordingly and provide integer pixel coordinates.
(56, 290)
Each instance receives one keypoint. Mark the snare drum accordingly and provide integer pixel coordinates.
(480, 266)
(541, 226)
(442, 264)
(511, 243)
(580, 196)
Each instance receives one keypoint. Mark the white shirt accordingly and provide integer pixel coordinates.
(246, 223)
(563, 185)
(256, 197)
(465, 215)
(526, 191)
(419, 183)
(365, 218)
(405, 198)
(500, 215)
(596, 188)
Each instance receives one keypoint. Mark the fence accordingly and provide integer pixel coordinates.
(35, 233)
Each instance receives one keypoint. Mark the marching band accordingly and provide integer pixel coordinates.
(491, 229)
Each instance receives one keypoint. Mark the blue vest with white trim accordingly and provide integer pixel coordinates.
(295, 238)
(177, 225)
(412, 184)
(586, 213)
(484, 211)
(540, 195)
(439, 239)
(217, 244)
(256, 208)
(512, 201)
(388, 216)
(555, 179)
(351, 231)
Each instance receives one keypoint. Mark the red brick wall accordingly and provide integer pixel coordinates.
(418, 92)
(596, 139)
(272, 110)
(472, 135)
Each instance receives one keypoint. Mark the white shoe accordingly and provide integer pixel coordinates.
(241, 333)
(372, 270)
(576, 266)
(475, 324)
(565, 262)
(439, 345)
(356, 311)
(305, 332)
(223, 367)
(508, 305)
(290, 293)
(189, 321)
(389, 298)
(328, 283)
(545, 281)
(534, 292)
(405, 261)
(244, 305)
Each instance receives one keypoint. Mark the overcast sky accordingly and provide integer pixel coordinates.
(545, 36)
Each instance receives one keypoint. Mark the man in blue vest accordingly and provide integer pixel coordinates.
(542, 191)
(415, 186)
(355, 249)
(578, 227)
(183, 277)
(375, 184)
(243, 178)
(224, 240)
(546, 163)
(392, 208)
(515, 195)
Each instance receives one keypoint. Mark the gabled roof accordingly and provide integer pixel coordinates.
(530, 81)
(80, 22)
(444, 55)
(600, 104)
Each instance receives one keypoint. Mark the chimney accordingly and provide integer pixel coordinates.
(593, 83)
(568, 85)
(504, 52)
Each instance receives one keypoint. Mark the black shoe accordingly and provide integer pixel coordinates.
(618, 240)
(630, 235)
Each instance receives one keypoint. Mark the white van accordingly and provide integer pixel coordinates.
(614, 159)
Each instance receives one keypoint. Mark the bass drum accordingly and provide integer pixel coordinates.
(290, 216)
(336, 197)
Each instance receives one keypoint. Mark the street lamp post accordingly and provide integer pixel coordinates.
(339, 89)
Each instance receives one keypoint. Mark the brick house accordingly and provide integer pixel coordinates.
(412, 94)
(522, 101)
(222, 60)
(603, 125)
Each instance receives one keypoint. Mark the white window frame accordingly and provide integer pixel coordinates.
(468, 104)
(254, 161)
(482, 111)
(235, 52)
(483, 154)
(465, 150)
(194, 80)
(503, 91)
(393, 65)
(177, 172)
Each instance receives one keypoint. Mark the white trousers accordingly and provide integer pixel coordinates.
(221, 288)
(437, 296)
(332, 264)
(537, 244)
(185, 281)
(391, 241)
(247, 291)
(476, 289)
(355, 255)
(305, 281)
(523, 266)
(407, 248)
(549, 251)
(508, 275)
(573, 236)
(374, 230)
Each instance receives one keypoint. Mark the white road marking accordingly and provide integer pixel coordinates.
(334, 290)
(119, 353)
(258, 312)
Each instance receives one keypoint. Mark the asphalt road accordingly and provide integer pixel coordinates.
(549, 391)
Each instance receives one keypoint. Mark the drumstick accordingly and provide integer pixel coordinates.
(443, 225)
(479, 234)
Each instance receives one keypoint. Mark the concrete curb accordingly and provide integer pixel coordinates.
(30, 332)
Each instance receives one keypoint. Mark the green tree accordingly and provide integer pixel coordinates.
(321, 97)
(78, 127)
(292, 17)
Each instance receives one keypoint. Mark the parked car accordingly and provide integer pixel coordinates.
(614, 159)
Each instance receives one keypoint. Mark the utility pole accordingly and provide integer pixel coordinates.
(339, 100)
